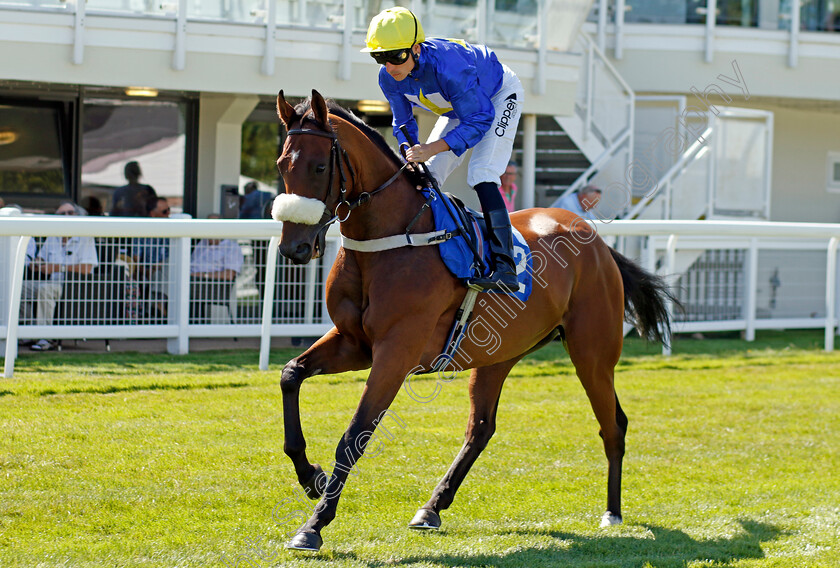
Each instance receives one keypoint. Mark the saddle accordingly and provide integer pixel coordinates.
(471, 220)
(457, 252)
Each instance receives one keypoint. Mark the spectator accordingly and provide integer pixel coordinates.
(131, 200)
(256, 204)
(253, 204)
(580, 202)
(26, 316)
(151, 251)
(832, 21)
(58, 257)
(152, 255)
(214, 264)
(508, 188)
(2, 203)
(93, 206)
(215, 259)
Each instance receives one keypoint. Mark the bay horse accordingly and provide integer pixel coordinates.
(392, 309)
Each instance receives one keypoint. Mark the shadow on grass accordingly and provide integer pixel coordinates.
(667, 549)
(110, 389)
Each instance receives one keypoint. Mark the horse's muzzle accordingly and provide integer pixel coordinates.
(301, 251)
(298, 253)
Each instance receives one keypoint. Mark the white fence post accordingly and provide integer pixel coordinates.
(711, 19)
(671, 277)
(270, 37)
(14, 308)
(179, 54)
(750, 290)
(79, 33)
(268, 301)
(180, 290)
(831, 293)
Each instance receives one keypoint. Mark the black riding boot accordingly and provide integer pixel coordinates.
(500, 234)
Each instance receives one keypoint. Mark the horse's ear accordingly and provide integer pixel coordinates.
(284, 110)
(319, 108)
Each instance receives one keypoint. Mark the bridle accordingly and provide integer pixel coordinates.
(338, 160)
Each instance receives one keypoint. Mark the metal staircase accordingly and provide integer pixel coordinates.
(559, 161)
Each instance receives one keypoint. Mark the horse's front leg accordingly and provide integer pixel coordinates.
(333, 353)
(392, 362)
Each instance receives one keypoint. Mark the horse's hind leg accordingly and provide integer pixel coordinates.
(485, 389)
(333, 353)
(594, 349)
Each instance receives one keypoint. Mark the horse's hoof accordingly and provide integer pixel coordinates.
(305, 541)
(425, 520)
(314, 487)
(609, 520)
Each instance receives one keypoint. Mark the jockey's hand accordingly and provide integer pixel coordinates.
(423, 152)
(418, 153)
(403, 149)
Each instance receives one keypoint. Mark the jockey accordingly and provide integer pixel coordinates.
(478, 100)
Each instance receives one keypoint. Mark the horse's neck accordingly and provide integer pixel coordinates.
(390, 211)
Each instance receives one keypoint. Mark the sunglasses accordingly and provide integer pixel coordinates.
(165, 211)
(394, 57)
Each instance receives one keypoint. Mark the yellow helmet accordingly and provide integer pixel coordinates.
(394, 28)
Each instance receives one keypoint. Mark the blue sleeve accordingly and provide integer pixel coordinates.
(469, 102)
(400, 108)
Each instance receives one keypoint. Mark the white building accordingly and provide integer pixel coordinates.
(72, 114)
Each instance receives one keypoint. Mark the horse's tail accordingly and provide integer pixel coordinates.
(646, 298)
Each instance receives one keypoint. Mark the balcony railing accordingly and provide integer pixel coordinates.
(539, 26)
(793, 17)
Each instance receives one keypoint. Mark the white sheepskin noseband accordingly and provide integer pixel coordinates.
(296, 209)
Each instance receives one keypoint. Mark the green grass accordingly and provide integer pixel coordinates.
(162, 461)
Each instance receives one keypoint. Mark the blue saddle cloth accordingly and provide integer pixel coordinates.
(458, 257)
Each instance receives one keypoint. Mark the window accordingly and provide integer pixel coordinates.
(151, 133)
(262, 143)
(32, 153)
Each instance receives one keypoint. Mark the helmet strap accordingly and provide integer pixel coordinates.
(414, 42)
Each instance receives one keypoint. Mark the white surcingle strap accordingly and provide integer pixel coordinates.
(398, 241)
(297, 209)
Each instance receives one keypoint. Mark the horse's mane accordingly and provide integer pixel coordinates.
(341, 112)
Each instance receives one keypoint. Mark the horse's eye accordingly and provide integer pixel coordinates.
(321, 168)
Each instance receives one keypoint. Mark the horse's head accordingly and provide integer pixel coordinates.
(313, 169)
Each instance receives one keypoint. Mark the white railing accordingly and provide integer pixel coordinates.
(769, 248)
(181, 25)
(269, 297)
(664, 189)
(605, 101)
(787, 31)
(757, 238)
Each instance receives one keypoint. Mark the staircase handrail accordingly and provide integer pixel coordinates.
(625, 135)
(605, 156)
(691, 155)
(591, 49)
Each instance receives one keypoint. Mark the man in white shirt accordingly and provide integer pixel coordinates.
(57, 257)
(212, 262)
(580, 202)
